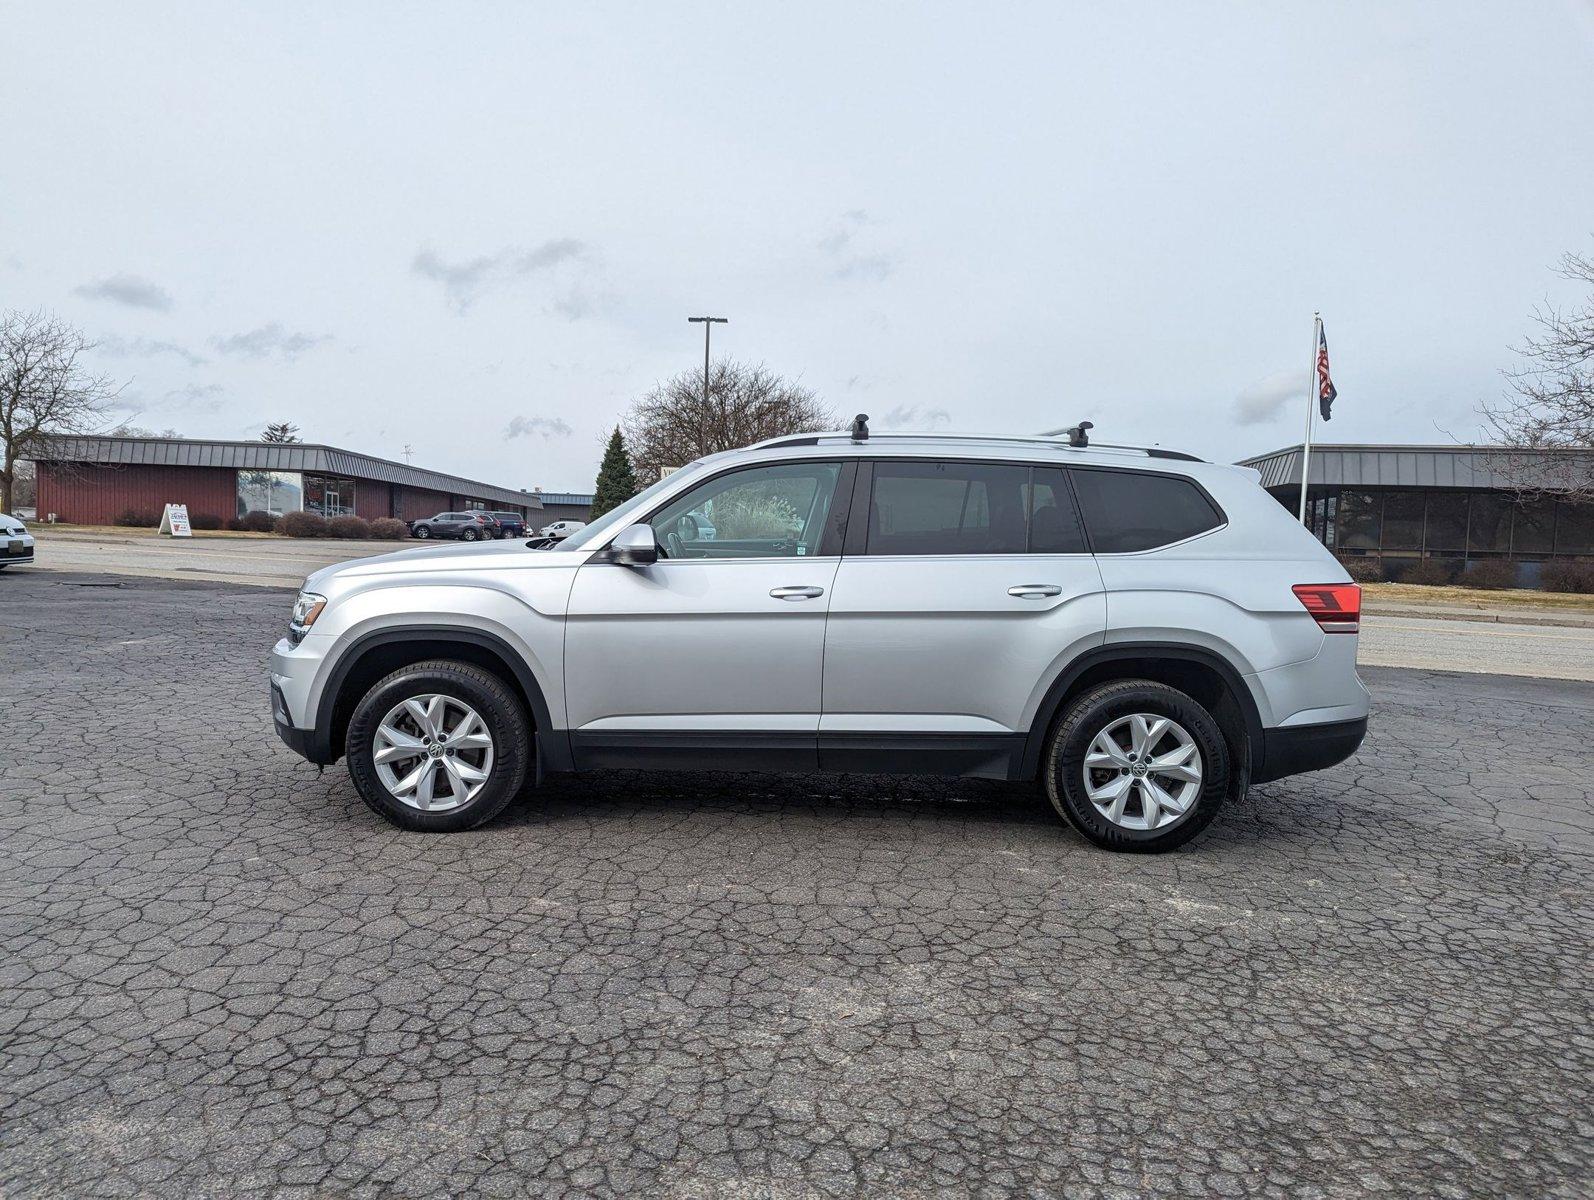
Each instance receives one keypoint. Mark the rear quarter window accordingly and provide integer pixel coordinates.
(1127, 511)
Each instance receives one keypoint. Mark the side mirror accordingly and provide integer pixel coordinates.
(634, 546)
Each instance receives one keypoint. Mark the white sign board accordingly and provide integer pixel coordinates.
(174, 520)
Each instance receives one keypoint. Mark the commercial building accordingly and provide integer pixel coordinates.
(97, 480)
(1462, 504)
(565, 506)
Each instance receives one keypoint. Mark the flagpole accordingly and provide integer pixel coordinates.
(1311, 408)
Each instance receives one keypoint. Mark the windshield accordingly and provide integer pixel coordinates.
(621, 516)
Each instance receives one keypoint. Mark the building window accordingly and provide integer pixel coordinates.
(1535, 527)
(1574, 528)
(329, 496)
(1489, 531)
(1359, 520)
(1402, 520)
(275, 492)
(1447, 522)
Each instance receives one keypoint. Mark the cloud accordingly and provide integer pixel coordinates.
(913, 417)
(269, 341)
(1265, 399)
(131, 290)
(465, 281)
(142, 347)
(549, 427)
(196, 397)
(851, 261)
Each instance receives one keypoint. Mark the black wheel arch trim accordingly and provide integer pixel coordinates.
(1046, 714)
(553, 745)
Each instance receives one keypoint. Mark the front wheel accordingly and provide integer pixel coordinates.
(1136, 765)
(422, 532)
(439, 746)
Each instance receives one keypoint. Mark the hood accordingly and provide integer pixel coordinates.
(453, 558)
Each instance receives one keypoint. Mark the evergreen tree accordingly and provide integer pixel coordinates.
(616, 479)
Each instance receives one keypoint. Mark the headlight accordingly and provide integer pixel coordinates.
(306, 609)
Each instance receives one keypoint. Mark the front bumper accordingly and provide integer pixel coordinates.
(1295, 749)
(294, 669)
(22, 555)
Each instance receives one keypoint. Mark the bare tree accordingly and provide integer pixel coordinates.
(45, 389)
(1551, 405)
(674, 423)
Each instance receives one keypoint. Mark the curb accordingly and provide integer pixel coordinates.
(1490, 617)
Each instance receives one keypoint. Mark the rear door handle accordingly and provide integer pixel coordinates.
(796, 593)
(1035, 589)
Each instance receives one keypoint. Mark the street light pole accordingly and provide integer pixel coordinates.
(708, 324)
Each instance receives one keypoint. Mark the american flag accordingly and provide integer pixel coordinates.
(1326, 391)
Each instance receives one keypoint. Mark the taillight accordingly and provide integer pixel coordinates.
(1336, 607)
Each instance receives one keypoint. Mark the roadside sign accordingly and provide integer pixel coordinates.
(174, 520)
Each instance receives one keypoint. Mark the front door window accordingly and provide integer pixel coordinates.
(777, 511)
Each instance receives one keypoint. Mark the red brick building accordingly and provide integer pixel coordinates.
(96, 480)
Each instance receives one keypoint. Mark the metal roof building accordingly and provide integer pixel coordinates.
(95, 480)
(1459, 504)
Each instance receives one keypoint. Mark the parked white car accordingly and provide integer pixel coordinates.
(1141, 632)
(16, 543)
(560, 530)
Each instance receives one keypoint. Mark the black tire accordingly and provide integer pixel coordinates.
(498, 706)
(1089, 714)
(421, 532)
(468, 536)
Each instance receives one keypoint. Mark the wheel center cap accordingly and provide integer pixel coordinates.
(435, 750)
(1138, 769)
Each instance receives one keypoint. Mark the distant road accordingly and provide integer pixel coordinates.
(1544, 651)
(263, 562)
(1541, 651)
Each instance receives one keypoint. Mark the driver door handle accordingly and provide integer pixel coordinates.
(796, 593)
(1035, 589)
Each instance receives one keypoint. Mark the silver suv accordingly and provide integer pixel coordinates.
(1144, 633)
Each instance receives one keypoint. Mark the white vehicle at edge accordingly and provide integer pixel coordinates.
(561, 529)
(16, 543)
(1142, 633)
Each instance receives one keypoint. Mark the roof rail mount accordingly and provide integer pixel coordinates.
(1079, 435)
(860, 427)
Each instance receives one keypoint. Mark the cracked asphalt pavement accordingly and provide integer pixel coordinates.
(221, 975)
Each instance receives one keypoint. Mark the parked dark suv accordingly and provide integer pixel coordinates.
(509, 524)
(466, 526)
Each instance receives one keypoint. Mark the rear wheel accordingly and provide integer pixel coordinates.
(1136, 765)
(469, 535)
(439, 746)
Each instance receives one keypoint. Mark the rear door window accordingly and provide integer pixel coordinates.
(933, 508)
(1128, 511)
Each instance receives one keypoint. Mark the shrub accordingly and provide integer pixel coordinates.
(1493, 574)
(349, 527)
(136, 519)
(1363, 570)
(1430, 572)
(205, 521)
(303, 525)
(389, 529)
(1565, 575)
(256, 521)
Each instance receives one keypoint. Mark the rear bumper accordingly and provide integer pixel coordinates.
(1299, 748)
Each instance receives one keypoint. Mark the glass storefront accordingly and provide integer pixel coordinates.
(1451, 524)
(329, 496)
(275, 492)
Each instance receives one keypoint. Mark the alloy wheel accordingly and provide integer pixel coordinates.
(1143, 772)
(433, 753)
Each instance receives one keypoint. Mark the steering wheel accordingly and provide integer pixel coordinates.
(673, 546)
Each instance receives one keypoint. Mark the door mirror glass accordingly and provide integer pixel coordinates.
(634, 546)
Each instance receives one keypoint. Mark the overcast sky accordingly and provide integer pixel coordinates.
(479, 229)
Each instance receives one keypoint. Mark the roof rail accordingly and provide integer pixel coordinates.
(1058, 443)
